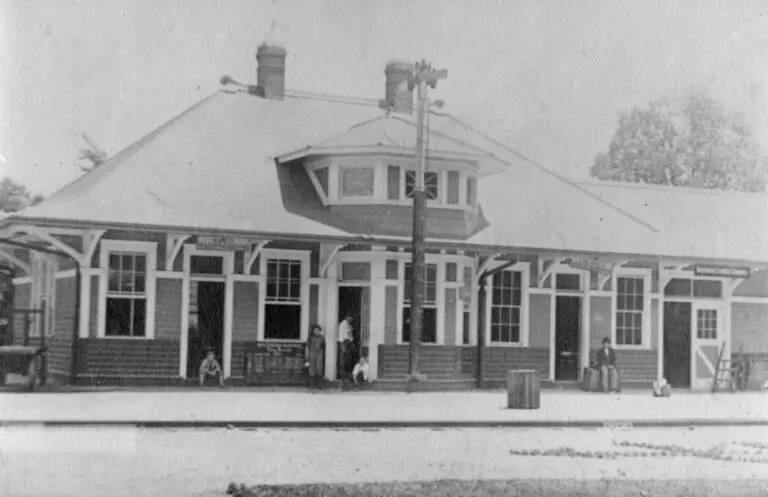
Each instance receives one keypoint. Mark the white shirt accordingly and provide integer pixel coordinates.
(361, 368)
(345, 331)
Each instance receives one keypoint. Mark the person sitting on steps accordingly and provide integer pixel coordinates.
(606, 363)
(360, 373)
(210, 369)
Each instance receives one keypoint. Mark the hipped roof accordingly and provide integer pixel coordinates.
(214, 167)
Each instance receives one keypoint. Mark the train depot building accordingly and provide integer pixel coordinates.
(261, 211)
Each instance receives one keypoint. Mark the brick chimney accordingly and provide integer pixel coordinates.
(270, 75)
(397, 74)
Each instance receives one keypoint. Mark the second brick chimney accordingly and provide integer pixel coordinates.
(270, 75)
(398, 98)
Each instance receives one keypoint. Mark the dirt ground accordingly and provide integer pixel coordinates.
(527, 488)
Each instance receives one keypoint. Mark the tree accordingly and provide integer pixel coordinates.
(690, 142)
(93, 154)
(15, 196)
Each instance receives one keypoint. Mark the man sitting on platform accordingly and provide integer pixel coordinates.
(606, 363)
(360, 373)
(210, 369)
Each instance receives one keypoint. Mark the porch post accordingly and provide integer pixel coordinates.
(331, 304)
(85, 302)
(229, 301)
(660, 339)
(586, 328)
(377, 313)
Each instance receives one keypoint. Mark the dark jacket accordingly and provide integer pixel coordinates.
(604, 358)
(315, 346)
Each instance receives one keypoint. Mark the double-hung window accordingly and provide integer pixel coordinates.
(630, 310)
(506, 307)
(126, 306)
(282, 308)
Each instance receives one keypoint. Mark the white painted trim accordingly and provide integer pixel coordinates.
(304, 256)
(487, 264)
(169, 275)
(23, 280)
(69, 273)
(646, 275)
(253, 255)
(229, 300)
(148, 248)
(525, 269)
(173, 245)
(540, 291)
(58, 244)
(184, 336)
(85, 305)
(749, 300)
(27, 268)
(252, 278)
(549, 271)
(91, 240)
(586, 328)
(723, 335)
(228, 269)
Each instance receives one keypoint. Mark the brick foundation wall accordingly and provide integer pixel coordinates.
(438, 362)
(459, 362)
(637, 365)
(131, 358)
(498, 360)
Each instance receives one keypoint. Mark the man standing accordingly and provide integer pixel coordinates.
(345, 337)
(606, 361)
(314, 354)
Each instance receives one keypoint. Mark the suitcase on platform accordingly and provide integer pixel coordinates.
(590, 380)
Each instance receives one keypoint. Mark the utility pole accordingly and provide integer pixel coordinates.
(424, 76)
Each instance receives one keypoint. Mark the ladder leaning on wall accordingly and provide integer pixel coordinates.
(728, 370)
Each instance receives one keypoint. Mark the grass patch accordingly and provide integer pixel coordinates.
(521, 488)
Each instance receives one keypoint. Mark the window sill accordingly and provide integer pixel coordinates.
(281, 340)
(426, 344)
(124, 337)
(632, 347)
(507, 345)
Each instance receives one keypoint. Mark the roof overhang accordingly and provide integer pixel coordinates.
(437, 243)
(388, 150)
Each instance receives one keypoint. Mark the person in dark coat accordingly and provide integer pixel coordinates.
(606, 363)
(315, 355)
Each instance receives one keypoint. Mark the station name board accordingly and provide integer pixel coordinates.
(223, 243)
(722, 271)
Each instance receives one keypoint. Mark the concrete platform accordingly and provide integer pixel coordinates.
(374, 409)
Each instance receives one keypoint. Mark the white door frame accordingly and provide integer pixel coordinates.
(228, 279)
(584, 332)
(722, 335)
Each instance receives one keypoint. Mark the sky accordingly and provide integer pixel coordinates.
(547, 77)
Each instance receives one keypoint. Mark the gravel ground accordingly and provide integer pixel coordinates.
(528, 488)
(129, 462)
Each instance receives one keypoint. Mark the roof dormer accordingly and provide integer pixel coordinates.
(380, 179)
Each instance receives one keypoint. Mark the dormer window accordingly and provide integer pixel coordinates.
(377, 180)
(471, 191)
(357, 181)
(431, 184)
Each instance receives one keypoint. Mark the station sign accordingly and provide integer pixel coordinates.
(223, 243)
(722, 271)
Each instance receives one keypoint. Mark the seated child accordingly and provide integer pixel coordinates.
(211, 369)
(360, 373)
